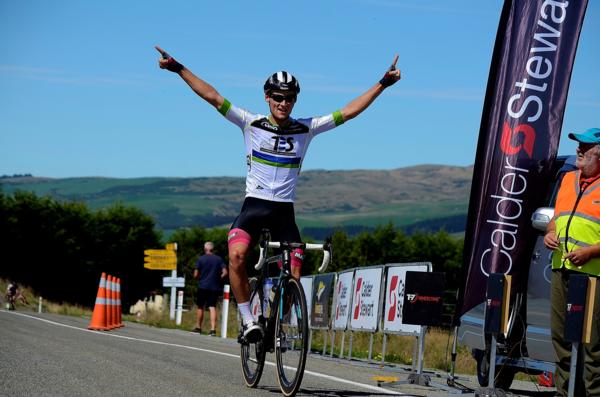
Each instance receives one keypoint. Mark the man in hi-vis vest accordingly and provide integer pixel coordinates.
(574, 236)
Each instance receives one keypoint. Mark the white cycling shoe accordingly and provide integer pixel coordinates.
(252, 332)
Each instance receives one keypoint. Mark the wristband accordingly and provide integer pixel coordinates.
(387, 80)
(174, 66)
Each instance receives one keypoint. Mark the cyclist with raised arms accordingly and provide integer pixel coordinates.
(275, 147)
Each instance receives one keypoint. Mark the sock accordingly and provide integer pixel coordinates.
(245, 312)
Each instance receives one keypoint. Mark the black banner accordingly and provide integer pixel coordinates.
(576, 307)
(518, 138)
(322, 292)
(423, 298)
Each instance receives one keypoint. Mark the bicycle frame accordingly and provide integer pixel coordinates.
(285, 273)
(268, 323)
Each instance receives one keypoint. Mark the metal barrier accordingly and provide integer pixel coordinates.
(365, 299)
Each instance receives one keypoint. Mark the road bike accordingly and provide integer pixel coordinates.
(280, 309)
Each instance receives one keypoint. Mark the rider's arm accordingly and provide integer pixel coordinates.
(202, 88)
(359, 104)
(199, 86)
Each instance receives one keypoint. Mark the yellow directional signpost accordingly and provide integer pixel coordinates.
(166, 259)
(160, 259)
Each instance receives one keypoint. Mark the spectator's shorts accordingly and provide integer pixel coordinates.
(207, 298)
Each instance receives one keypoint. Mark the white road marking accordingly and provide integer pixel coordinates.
(236, 356)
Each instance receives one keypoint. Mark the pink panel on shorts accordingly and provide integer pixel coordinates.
(236, 236)
(296, 259)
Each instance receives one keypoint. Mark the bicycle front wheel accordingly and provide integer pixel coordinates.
(253, 354)
(291, 336)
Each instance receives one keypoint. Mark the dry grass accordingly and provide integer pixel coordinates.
(400, 349)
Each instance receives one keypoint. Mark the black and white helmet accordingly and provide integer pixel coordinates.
(282, 81)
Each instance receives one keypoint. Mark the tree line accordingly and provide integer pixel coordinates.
(60, 248)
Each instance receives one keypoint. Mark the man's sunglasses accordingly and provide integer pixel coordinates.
(280, 98)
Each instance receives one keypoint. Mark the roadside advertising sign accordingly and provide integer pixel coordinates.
(365, 299)
(256, 307)
(321, 300)
(342, 295)
(394, 297)
(307, 285)
(423, 298)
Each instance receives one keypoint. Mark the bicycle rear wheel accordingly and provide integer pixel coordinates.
(253, 354)
(291, 336)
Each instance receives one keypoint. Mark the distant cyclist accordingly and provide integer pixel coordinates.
(275, 148)
(12, 294)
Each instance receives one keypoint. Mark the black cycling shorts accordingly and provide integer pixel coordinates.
(207, 298)
(278, 217)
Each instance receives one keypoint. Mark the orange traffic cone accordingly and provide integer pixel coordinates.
(109, 302)
(99, 315)
(119, 310)
(113, 308)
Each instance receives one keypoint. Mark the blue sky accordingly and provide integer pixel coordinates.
(82, 94)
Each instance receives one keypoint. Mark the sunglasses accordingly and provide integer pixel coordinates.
(280, 98)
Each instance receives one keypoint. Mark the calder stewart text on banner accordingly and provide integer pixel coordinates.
(518, 138)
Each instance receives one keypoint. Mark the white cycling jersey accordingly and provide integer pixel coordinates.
(274, 154)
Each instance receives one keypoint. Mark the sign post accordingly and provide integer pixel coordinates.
(166, 259)
(179, 307)
(225, 311)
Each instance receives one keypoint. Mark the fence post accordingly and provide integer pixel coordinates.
(225, 311)
(179, 307)
(40, 305)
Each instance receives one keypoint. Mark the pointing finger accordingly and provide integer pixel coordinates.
(394, 61)
(164, 54)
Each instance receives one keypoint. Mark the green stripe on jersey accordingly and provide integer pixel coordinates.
(225, 107)
(338, 119)
(274, 164)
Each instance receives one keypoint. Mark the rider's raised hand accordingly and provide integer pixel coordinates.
(391, 75)
(166, 61)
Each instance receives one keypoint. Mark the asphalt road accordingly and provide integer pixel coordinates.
(54, 355)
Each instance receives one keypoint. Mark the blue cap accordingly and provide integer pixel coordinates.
(591, 135)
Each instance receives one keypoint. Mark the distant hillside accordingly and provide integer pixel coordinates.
(426, 197)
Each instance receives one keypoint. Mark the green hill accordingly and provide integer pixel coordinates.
(421, 197)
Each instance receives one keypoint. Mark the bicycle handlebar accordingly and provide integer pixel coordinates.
(325, 247)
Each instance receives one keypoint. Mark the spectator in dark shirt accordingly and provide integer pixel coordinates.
(210, 272)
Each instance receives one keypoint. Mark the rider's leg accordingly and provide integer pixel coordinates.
(296, 263)
(239, 246)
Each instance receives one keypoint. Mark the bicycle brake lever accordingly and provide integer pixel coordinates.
(327, 254)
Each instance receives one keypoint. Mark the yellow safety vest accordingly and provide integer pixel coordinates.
(577, 217)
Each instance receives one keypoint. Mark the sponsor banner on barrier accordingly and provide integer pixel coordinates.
(342, 296)
(423, 298)
(365, 299)
(321, 300)
(394, 299)
(307, 285)
(256, 307)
